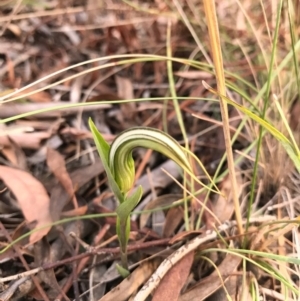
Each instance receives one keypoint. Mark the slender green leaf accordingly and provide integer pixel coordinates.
(122, 271)
(123, 221)
(124, 210)
(123, 231)
(103, 150)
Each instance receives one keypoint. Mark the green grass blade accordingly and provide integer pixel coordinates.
(266, 102)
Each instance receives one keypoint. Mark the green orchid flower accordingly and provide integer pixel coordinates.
(119, 166)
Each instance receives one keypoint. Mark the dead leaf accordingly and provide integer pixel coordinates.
(56, 164)
(190, 74)
(42, 256)
(14, 109)
(25, 140)
(207, 286)
(173, 220)
(160, 201)
(60, 197)
(40, 125)
(73, 35)
(78, 134)
(15, 155)
(125, 91)
(41, 96)
(32, 198)
(237, 289)
(159, 71)
(15, 29)
(184, 234)
(241, 23)
(124, 87)
(76, 89)
(223, 206)
(295, 115)
(76, 212)
(104, 96)
(129, 36)
(130, 284)
(170, 286)
(10, 291)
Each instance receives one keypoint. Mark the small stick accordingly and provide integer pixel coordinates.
(91, 251)
(169, 262)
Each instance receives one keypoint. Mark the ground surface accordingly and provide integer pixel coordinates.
(105, 55)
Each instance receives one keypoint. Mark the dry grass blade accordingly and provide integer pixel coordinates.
(212, 23)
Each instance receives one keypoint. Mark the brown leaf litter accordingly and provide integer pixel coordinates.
(50, 170)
